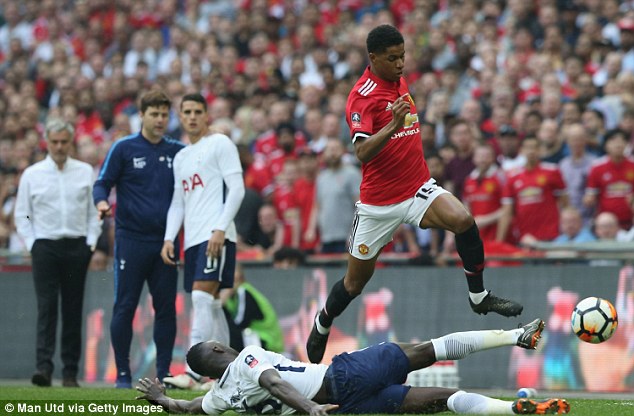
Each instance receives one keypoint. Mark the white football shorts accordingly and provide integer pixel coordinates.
(373, 225)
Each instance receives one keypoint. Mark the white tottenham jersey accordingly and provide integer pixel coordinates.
(239, 390)
(198, 182)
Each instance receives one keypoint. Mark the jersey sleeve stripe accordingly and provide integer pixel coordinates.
(359, 135)
(365, 90)
(106, 162)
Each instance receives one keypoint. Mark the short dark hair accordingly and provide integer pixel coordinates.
(285, 126)
(196, 358)
(614, 133)
(455, 123)
(382, 37)
(597, 112)
(155, 98)
(196, 97)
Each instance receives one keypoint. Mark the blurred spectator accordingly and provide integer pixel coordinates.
(552, 147)
(270, 235)
(508, 141)
(610, 183)
(304, 191)
(593, 122)
(462, 137)
(576, 167)
(288, 258)
(572, 227)
(336, 192)
(286, 203)
(531, 200)
(606, 226)
(482, 193)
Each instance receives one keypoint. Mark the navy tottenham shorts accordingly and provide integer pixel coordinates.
(369, 380)
(199, 267)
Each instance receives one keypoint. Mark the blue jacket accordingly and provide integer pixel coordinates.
(142, 173)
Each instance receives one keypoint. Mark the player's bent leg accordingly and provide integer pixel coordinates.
(458, 345)
(342, 293)
(448, 212)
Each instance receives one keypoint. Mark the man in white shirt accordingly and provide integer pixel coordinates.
(367, 381)
(55, 217)
(208, 191)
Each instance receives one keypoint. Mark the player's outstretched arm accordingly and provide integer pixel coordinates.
(271, 380)
(154, 392)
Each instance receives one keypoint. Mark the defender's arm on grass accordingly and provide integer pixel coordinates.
(154, 392)
(283, 390)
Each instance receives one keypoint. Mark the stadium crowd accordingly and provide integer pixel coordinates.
(486, 76)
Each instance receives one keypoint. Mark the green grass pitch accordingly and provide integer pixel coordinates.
(85, 396)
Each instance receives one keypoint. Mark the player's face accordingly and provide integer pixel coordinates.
(389, 65)
(193, 118)
(154, 121)
(59, 145)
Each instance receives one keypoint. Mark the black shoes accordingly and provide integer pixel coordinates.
(492, 303)
(316, 345)
(70, 382)
(41, 378)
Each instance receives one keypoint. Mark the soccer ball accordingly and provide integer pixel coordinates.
(594, 320)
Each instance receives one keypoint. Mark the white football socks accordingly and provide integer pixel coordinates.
(472, 403)
(220, 328)
(460, 344)
(202, 319)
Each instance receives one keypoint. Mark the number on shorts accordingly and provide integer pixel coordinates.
(424, 192)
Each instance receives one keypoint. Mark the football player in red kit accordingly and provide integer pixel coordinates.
(396, 187)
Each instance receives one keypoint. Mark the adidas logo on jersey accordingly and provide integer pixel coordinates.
(388, 107)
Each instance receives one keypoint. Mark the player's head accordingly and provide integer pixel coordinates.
(193, 115)
(386, 50)
(194, 97)
(210, 358)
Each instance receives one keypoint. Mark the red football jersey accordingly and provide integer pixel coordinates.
(534, 194)
(613, 185)
(284, 201)
(484, 196)
(399, 169)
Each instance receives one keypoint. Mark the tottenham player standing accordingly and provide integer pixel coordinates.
(208, 191)
(396, 187)
(140, 166)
